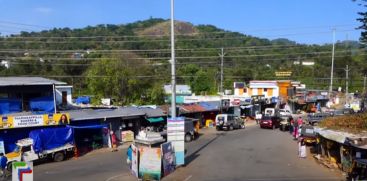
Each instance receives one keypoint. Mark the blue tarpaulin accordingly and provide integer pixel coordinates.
(10, 106)
(42, 105)
(83, 100)
(210, 106)
(90, 126)
(49, 138)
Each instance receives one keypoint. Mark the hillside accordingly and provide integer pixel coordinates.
(135, 56)
(164, 29)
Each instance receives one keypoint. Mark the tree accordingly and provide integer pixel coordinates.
(363, 20)
(119, 78)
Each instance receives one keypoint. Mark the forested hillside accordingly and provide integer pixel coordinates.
(131, 62)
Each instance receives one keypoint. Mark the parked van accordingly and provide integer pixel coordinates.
(229, 122)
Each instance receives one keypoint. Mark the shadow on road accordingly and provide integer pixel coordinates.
(194, 155)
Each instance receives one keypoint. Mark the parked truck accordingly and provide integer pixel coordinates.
(54, 143)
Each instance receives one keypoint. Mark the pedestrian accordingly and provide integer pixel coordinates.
(302, 152)
(129, 154)
(295, 130)
(291, 121)
(3, 161)
(114, 141)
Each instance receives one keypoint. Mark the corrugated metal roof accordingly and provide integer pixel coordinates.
(18, 81)
(191, 108)
(88, 114)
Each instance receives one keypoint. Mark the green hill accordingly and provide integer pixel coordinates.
(129, 62)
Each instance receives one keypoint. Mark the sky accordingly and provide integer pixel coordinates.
(303, 21)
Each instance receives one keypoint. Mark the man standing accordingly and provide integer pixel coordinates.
(3, 161)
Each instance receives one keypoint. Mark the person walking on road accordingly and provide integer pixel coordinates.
(129, 154)
(114, 141)
(295, 129)
(302, 152)
(291, 126)
(3, 161)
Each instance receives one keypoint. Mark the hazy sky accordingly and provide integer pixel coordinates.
(304, 21)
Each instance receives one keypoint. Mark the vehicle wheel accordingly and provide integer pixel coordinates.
(230, 127)
(188, 137)
(59, 156)
(218, 129)
(9, 167)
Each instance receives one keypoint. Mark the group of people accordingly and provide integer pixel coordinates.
(295, 130)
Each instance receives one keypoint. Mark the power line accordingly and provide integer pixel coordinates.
(182, 57)
(158, 50)
(241, 37)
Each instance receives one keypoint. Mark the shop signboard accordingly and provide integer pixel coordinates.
(7, 122)
(176, 135)
(150, 163)
(2, 147)
(28, 121)
(134, 160)
(168, 158)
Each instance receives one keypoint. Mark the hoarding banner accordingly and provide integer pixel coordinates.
(168, 158)
(134, 160)
(176, 135)
(7, 122)
(22, 171)
(150, 163)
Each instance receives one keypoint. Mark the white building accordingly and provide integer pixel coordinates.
(268, 89)
(63, 95)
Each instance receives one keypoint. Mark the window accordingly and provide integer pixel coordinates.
(26, 148)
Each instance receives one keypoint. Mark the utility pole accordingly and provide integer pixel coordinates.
(221, 70)
(173, 61)
(332, 65)
(347, 83)
(364, 83)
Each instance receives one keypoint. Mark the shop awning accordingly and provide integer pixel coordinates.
(155, 120)
(90, 126)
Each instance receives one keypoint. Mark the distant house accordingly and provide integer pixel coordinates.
(5, 63)
(181, 91)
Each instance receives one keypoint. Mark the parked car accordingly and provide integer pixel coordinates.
(270, 122)
(284, 112)
(228, 122)
(315, 118)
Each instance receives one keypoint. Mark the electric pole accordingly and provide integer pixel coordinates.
(364, 84)
(332, 65)
(346, 83)
(221, 70)
(173, 68)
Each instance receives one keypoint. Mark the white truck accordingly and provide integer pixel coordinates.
(25, 150)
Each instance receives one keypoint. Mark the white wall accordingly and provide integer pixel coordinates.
(59, 90)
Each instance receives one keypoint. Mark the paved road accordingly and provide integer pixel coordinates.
(249, 154)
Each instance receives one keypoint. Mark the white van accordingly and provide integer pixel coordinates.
(228, 122)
